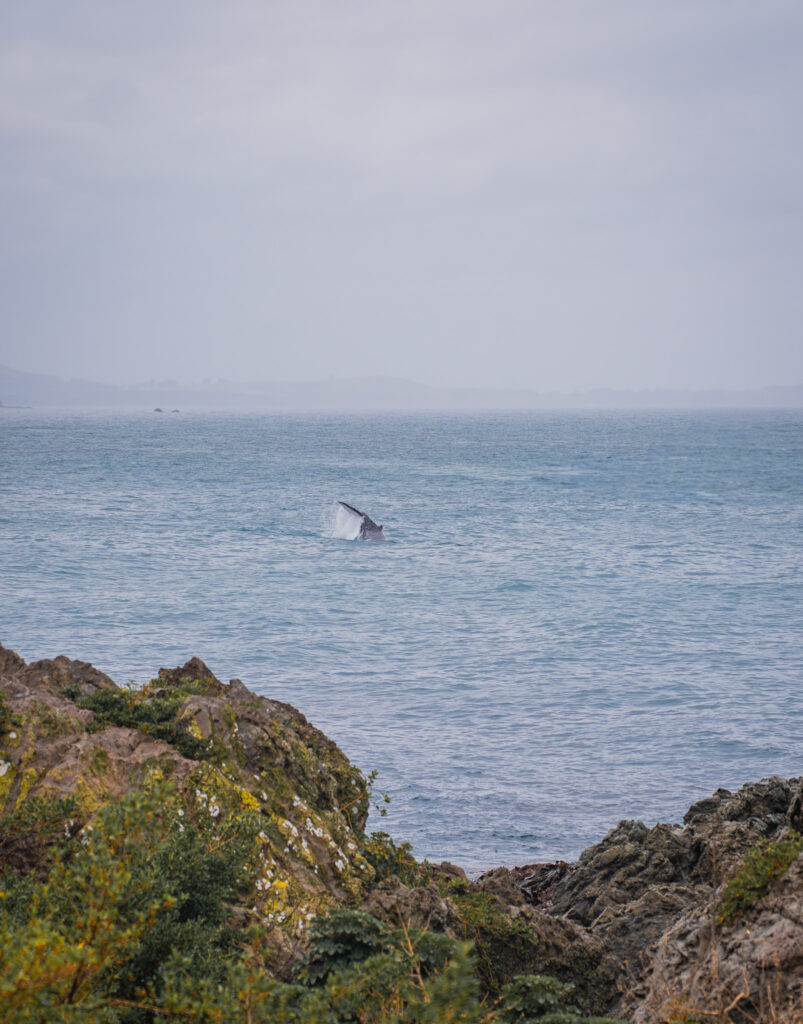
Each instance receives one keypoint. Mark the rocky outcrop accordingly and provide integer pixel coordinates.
(749, 970)
(649, 896)
(67, 730)
(73, 732)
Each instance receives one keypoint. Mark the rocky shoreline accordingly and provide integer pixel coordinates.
(675, 923)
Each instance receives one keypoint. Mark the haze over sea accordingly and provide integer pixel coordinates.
(578, 617)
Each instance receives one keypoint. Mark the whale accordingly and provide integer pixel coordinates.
(368, 528)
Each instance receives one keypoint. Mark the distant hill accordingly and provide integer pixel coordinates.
(359, 394)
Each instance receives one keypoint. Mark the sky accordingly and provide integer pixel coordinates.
(549, 194)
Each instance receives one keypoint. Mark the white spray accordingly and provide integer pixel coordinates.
(345, 525)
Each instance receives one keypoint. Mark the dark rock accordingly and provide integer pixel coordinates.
(635, 884)
(538, 881)
(629, 860)
(419, 907)
(11, 664)
(749, 971)
(502, 884)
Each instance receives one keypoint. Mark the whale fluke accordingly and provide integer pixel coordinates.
(368, 528)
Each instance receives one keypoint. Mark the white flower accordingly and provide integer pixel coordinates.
(4, 766)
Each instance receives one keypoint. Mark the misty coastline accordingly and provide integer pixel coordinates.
(20, 390)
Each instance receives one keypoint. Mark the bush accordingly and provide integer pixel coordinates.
(140, 882)
(134, 709)
(5, 716)
(751, 882)
(31, 833)
(387, 858)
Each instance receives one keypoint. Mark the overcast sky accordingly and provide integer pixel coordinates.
(554, 195)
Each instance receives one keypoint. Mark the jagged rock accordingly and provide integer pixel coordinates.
(635, 884)
(538, 881)
(726, 825)
(53, 675)
(754, 966)
(621, 868)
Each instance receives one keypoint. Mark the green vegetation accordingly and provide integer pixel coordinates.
(545, 1000)
(137, 709)
(494, 934)
(387, 858)
(751, 882)
(137, 917)
(34, 832)
(7, 720)
(689, 1017)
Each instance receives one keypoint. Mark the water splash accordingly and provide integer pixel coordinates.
(344, 525)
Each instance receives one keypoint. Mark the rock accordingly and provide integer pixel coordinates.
(752, 968)
(419, 907)
(638, 882)
(629, 860)
(451, 869)
(538, 881)
(727, 825)
(503, 885)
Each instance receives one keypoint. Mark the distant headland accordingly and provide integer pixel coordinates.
(360, 394)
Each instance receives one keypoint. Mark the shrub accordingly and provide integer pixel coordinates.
(134, 709)
(6, 718)
(340, 939)
(30, 834)
(536, 998)
(387, 858)
(139, 883)
(762, 865)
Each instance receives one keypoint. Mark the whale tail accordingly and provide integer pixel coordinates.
(368, 529)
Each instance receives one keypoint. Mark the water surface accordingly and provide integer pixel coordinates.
(577, 617)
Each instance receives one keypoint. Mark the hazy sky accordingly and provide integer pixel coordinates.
(554, 195)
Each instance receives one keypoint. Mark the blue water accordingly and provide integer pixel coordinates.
(577, 618)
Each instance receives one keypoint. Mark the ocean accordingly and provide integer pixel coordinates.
(576, 617)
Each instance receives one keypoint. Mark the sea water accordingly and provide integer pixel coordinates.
(576, 617)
